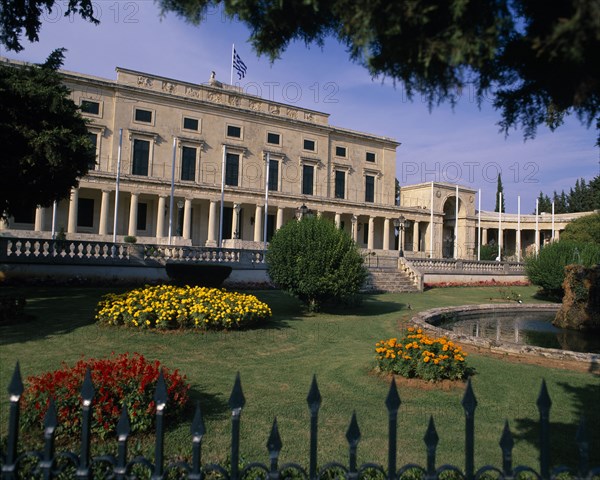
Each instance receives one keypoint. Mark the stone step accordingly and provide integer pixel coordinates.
(388, 280)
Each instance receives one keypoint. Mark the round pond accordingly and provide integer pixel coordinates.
(521, 327)
(511, 328)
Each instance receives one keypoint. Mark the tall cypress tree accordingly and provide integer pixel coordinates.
(499, 189)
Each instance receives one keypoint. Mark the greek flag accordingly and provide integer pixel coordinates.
(238, 65)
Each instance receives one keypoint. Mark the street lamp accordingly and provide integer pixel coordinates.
(303, 211)
(400, 223)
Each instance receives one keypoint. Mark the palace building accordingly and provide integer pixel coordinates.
(210, 165)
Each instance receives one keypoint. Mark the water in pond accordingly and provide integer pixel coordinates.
(526, 328)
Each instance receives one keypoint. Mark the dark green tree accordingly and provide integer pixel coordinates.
(499, 189)
(18, 17)
(315, 261)
(560, 202)
(583, 229)
(534, 59)
(45, 141)
(544, 203)
(577, 197)
(593, 194)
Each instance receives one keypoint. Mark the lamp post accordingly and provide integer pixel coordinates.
(400, 223)
(303, 211)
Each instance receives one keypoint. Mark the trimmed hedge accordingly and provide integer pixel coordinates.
(547, 270)
(200, 275)
(315, 261)
(12, 308)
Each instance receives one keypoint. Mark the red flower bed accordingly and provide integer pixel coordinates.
(480, 283)
(119, 380)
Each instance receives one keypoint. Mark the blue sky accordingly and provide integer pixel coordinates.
(459, 146)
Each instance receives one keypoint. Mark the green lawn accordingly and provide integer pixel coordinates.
(277, 361)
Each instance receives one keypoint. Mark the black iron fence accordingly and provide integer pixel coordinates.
(49, 464)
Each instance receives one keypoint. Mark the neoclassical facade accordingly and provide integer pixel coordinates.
(210, 165)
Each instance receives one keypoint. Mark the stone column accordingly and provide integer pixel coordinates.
(370, 240)
(338, 220)
(258, 222)
(556, 235)
(355, 228)
(416, 246)
(103, 226)
(133, 210)
(386, 233)
(484, 239)
(160, 217)
(279, 218)
(187, 219)
(235, 221)
(73, 204)
(40, 217)
(212, 223)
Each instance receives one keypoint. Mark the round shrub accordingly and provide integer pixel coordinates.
(547, 270)
(315, 261)
(416, 355)
(168, 307)
(120, 380)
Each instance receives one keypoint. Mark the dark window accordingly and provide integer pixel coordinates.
(190, 123)
(369, 188)
(365, 233)
(141, 156)
(232, 169)
(142, 213)
(87, 106)
(273, 175)
(94, 140)
(273, 138)
(188, 163)
(340, 151)
(340, 184)
(85, 212)
(370, 157)
(270, 227)
(309, 145)
(308, 173)
(233, 131)
(143, 116)
(227, 219)
(23, 214)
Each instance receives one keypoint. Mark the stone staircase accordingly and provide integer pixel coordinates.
(388, 280)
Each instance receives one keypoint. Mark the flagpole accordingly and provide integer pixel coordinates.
(456, 225)
(479, 227)
(222, 196)
(537, 230)
(172, 199)
(519, 228)
(266, 199)
(232, 53)
(117, 185)
(431, 222)
(553, 221)
(54, 220)
(499, 226)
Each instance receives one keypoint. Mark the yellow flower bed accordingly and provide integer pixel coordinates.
(415, 355)
(168, 307)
